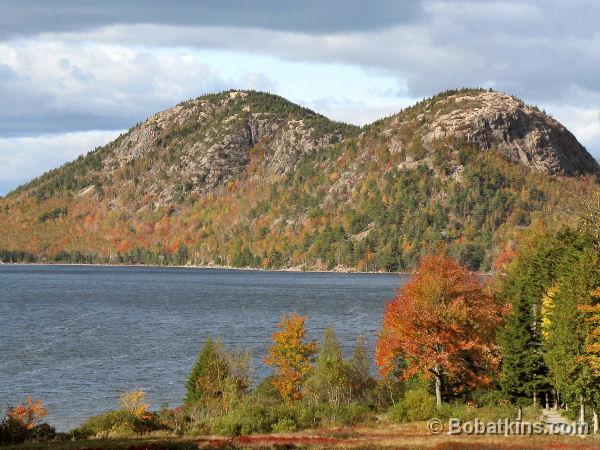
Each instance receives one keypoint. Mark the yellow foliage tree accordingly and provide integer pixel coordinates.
(135, 402)
(547, 307)
(291, 356)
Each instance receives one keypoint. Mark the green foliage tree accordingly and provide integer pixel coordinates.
(361, 382)
(524, 372)
(330, 379)
(217, 378)
(567, 328)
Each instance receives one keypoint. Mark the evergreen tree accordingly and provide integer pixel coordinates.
(358, 367)
(524, 372)
(567, 328)
(208, 372)
(330, 380)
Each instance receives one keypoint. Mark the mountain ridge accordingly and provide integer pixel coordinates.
(248, 178)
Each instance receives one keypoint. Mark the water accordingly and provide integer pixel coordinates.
(78, 336)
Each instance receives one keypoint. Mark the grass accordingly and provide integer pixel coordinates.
(413, 435)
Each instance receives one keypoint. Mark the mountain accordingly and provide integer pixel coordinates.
(245, 178)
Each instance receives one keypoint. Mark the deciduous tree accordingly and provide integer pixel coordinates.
(441, 324)
(290, 355)
(28, 413)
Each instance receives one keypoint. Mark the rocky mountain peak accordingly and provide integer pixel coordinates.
(490, 120)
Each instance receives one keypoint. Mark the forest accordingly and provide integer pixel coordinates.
(452, 344)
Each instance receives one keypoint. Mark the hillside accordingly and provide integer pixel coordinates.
(249, 179)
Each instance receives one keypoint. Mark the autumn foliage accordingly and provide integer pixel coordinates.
(441, 323)
(28, 413)
(592, 341)
(135, 403)
(290, 356)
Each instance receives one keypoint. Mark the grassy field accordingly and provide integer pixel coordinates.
(406, 436)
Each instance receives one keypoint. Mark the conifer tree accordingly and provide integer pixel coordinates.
(330, 379)
(208, 372)
(358, 366)
(528, 277)
(567, 328)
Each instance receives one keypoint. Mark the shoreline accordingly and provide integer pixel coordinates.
(232, 268)
(212, 266)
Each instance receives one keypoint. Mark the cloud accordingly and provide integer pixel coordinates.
(527, 49)
(75, 66)
(351, 111)
(54, 86)
(24, 158)
(30, 17)
(584, 123)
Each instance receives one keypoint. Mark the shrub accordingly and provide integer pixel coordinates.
(12, 431)
(177, 419)
(284, 425)
(120, 423)
(247, 418)
(417, 404)
(134, 402)
(266, 391)
(349, 414)
(330, 378)
(489, 398)
(28, 413)
(458, 410)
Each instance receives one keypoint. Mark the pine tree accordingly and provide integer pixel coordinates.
(330, 379)
(358, 366)
(528, 279)
(567, 328)
(208, 372)
(524, 372)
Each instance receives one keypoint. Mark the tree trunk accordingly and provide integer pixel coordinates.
(596, 421)
(556, 399)
(535, 398)
(519, 413)
(438, 386)
(581, 409)
(547, 401)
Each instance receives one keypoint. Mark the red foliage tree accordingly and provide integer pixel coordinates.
(441, 324)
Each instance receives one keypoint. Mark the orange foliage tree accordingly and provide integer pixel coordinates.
(28, 413)
(441, 324)
(291, 356)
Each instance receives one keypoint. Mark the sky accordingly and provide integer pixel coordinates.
(76, 74)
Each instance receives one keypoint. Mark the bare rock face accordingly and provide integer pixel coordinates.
(496, 121)
(204, 143)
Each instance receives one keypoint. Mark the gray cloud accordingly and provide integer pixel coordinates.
(26, 17)
(544, 51)
(52, 86)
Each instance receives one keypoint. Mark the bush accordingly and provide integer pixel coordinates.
(284, 425)
(487, 398)
(266, 391)
(13, 431)
(458, 410)
(249, 417)
(120, 423)
(417, 404)
(254, 416)
(350, 414)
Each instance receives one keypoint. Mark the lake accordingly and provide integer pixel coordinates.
(78, 336)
